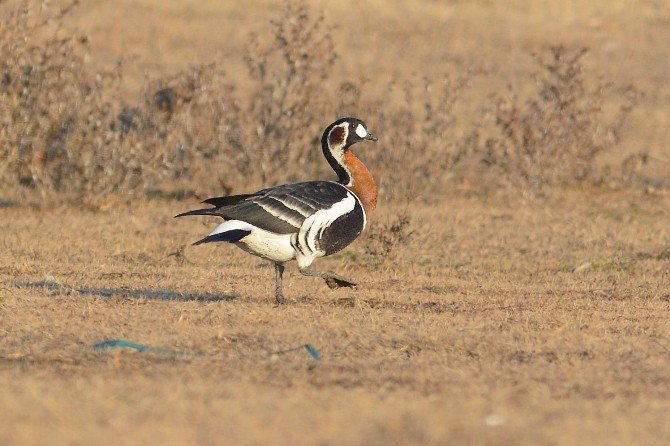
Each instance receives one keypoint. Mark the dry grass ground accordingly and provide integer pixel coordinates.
(496, 321)
(478, 331)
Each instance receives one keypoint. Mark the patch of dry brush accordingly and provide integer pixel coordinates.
(66, 134)
(554, 136)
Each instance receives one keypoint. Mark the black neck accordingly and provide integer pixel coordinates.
(342, 173)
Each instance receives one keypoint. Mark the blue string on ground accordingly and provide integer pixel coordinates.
(309, 347)
(116, 343)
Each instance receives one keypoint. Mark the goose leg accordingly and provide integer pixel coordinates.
(279, 294)
(332, 280)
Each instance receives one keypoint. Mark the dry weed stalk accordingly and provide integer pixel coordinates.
(384, 238)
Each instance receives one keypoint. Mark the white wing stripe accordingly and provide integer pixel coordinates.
(301, 210)
(315, 224)
(310, 203)
(279, 214)
(311, 239)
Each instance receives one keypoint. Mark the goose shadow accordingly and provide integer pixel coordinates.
(127, 292)
(8, 204)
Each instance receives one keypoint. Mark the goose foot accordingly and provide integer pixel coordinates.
(332, 280)
(281, 300)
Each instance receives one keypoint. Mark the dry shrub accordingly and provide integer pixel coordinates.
(184, 122)
(194, 133)
(555, 136)
(66, 134)
(52, 109)
(288, 104)
(219, 139)
(421, 147)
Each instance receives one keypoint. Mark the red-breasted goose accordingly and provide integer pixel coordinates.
(303, 221)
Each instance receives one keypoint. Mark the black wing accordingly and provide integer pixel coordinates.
(280, 209)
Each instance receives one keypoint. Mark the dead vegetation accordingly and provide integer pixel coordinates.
(67, 134)
(554, 137)
(384, 240)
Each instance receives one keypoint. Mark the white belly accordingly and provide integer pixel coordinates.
(271, 246)
(275, 247)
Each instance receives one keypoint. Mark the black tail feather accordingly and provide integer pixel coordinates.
(227, 201)
(232, 236)
(208, 211)
(217, 202)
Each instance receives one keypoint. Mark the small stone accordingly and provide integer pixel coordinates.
(494, 420)
(583, 267)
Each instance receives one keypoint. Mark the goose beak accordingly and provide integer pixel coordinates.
(370, 137)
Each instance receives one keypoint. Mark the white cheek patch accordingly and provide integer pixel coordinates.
(360, 131)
